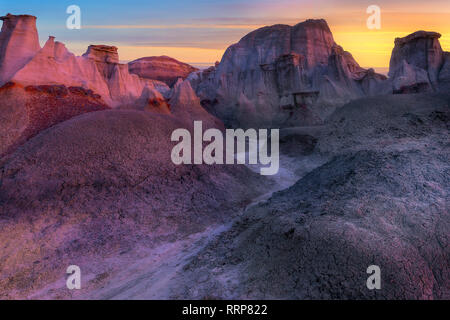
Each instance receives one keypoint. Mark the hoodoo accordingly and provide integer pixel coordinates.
(19, 42)
(416, 62)
(283, 75)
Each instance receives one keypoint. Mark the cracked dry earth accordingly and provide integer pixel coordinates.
(382, 198)
(370, 186)
(100, 191)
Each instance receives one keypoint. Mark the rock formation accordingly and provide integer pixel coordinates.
(98, 70)
(19, 42)
(283, 75)
(102, 53)
(95, 187)
(72, 84)
(288, 76)
(413, 55)
(418, 64)
(444, 75)
(22, 61)
(186, 105)
(26, 111)
(163, 68)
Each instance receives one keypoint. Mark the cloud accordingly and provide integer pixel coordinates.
(177, 26)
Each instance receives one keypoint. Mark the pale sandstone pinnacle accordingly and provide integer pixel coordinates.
(34, 79)
(19, 42)
(23, 61)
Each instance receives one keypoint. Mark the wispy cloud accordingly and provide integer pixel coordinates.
(177, 26)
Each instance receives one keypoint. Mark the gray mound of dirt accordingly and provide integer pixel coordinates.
(388, 122)
(100, 186)
(381, 200)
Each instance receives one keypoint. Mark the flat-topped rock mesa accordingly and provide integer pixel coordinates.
(163, 68)
(102, 53)
(19, 42)
(275, 75)
(416, 62)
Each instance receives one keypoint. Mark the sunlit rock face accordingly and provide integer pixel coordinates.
(19, 42)
(165, 69)
(44, 86)
(23, 61)
(26, 111)
(102, 53)
(282, 75)
(98, 70)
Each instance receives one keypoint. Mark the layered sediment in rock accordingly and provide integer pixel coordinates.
(289, 76)
(283, 75)
(163, 68)
(417, 63)
(102, 53)
(100, 189)
(19, 42)
(98, 70)
(101, 80)
(26, 111)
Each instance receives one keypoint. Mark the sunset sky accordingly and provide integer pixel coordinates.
(198, 31)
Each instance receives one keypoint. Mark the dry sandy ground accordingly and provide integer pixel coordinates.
(370, 186)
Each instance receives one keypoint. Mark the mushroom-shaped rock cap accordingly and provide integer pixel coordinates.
(12, 17)
(417, 35)
(102, 53)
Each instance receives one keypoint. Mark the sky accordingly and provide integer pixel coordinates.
(199, 31)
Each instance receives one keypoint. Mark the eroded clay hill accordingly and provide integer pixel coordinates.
(99, 186)
(381, 199)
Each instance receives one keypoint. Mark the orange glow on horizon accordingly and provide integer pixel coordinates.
(370, 48)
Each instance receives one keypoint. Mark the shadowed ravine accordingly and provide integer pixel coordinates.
(155, 276)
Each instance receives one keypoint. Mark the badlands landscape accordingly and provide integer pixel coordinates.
(86, 176)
